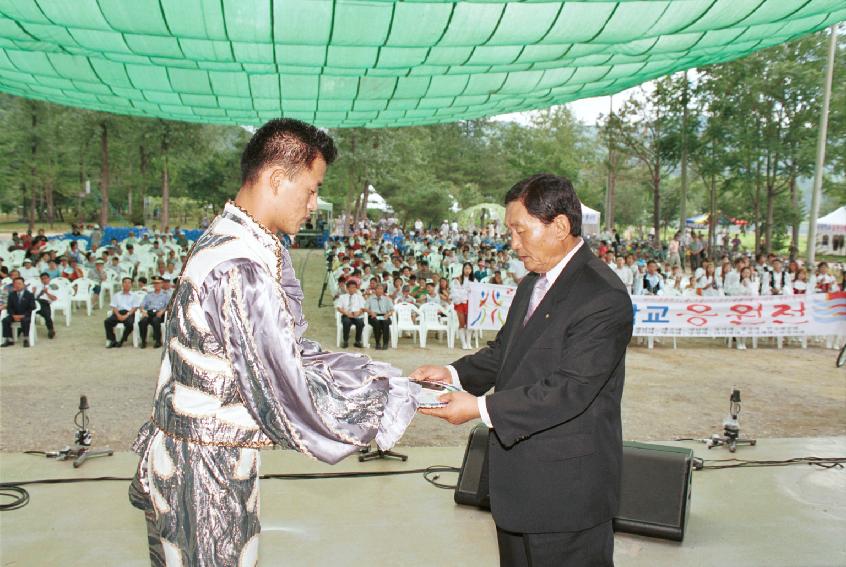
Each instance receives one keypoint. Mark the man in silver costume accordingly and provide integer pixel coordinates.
(238, 375)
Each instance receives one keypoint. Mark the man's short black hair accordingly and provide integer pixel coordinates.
(546, 196)
(123, 279)
(287, 143)
(42, 274)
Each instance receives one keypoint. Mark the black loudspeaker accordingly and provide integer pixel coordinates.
(472, 488)
(655, 487)
(655, 490)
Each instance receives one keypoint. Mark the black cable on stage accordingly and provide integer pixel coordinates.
(734, 463)
(20, 496)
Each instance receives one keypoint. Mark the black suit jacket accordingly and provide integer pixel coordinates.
(23, 306)
(555, 458)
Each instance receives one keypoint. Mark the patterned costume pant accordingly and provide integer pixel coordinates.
(201, 503)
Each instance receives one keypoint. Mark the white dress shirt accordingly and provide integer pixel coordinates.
(125, 301)
(351, 303)
(551, 276)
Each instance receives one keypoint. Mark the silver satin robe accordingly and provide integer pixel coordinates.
(237, 375)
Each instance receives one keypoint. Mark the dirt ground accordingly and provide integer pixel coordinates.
(668, 394)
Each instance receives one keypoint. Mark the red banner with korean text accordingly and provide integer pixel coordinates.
(818, 314)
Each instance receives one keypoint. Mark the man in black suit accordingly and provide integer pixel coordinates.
(19, 307)
(558, 367)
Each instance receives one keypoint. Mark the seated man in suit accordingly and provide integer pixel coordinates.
(557, 366)
(45, 297)
(19, 306)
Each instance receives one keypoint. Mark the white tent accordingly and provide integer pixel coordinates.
(590, 221)
(324, 206)
(831, 232)
(376, 201)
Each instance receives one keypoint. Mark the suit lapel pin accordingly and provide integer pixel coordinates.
(546, 316)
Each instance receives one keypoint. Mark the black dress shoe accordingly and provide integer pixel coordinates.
(143, 344)
(51, 333)
(358, 344)
(112, 344)
(26, 343)
(157, 344)
(7, 344)
(345, 344)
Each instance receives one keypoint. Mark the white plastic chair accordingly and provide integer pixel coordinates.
(81, 293)
(110, 284)
(126, 269)
(16, 258)
(339, 331)
(63, 299)
(32, 332)
(436, 318)
(403, 320)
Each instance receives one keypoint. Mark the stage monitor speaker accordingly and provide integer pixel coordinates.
(654, 489)
(472, 487)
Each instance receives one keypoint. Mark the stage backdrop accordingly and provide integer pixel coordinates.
(767, 316)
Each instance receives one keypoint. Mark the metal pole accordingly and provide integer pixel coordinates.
(815, 196)
(683, 200)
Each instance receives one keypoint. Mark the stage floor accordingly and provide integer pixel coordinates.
(785, 516)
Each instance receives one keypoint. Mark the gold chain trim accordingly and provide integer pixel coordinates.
(251, 445)
(277, 245)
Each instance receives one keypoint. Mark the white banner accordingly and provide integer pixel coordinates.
(488, 306)
(818, 314)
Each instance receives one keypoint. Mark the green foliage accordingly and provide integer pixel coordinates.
(751, 136)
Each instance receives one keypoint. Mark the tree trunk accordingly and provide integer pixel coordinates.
(80, 215)
(364, 196)
(769, 222)
(712, 218)
(32, 172)
(683, 196)
(610, 195)
(165, 215)
(757, 206)
(165, 220)
(129, 193)
(48, 196)
(143, 163)
(794, 202)
(104, 175)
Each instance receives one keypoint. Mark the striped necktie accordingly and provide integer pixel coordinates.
(537, 296)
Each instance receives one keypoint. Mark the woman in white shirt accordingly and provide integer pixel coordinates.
(825, 282)
(707, 282)
(747, 286)
(460, 295)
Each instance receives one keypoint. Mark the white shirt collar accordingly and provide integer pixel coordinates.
(552, 275)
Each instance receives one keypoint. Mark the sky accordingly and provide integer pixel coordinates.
(587, 110)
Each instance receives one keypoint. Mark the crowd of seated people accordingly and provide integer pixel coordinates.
(48, 270)
(767, 275)
(377, 268)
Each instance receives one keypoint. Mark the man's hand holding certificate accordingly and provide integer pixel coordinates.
(460, 407)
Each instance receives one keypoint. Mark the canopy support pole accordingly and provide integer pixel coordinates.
(821, 141)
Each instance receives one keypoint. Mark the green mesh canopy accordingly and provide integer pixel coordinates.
(367, 62)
